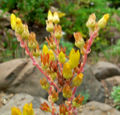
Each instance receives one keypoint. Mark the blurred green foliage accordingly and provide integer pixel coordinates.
(115, 94)
(115, 3)
(32, 11)
(116, 48)
(113, 52)
(77, 12)
(9, 47)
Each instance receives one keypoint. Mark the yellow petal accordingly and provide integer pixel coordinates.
(50, 16)
(13, 21)
(15, 111)
(45, 49)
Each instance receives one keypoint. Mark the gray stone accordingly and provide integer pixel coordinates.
(28, 81)
(104, 70)
(20, 76)
(111, 82)
(114, 81)
(92, 86)
(96, 108)
(9, 71)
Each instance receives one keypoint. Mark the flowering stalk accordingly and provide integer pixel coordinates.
(93, 35)
(85, 58)
(63, 73)
(24, 44)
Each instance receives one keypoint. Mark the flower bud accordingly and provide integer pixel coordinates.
(45, 49)
(74, 58)
(15, 111)
(54, 96)
(28, 109)
(77, 101)
(103, 21)
(13, 21)
(51, 54)
(36, 53)
(63, 110)
(49, 26)
(67, 92)
(45, 60)
(32, 43)
(25, 33)
(79, 41)
(52, 45)
(58, 32)
(77, 80)
(19, 26)
(50, 16)
(45, 85)
(56, 18)
(67, 71)
(61, 57)
(91, 21)
(45, 107)
(53, 75)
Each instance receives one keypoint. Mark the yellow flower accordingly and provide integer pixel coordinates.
(49, 26)
(28, 110)
(45, 49)
(50, 16)
(61, 14)
(53, 75)
(19, 26)
(103, 21)
(54, 96)
(67, 71)
(79, 41)
(91, 21)
(74, 58)
(25, 33)
(15, 111)
(77, 80)
(67, 92)
(13, 21)
(51, 54)
(58, 31)
(44, 83)
(56, 18)
(61, 57)
(77, 101)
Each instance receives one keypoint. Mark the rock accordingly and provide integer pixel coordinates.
(28, 81)
(20, 75)
(19, 100)
(111, 82)
(92, 86)
(114, 81)
(9, 71)
(104, 70)
(96, 108)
